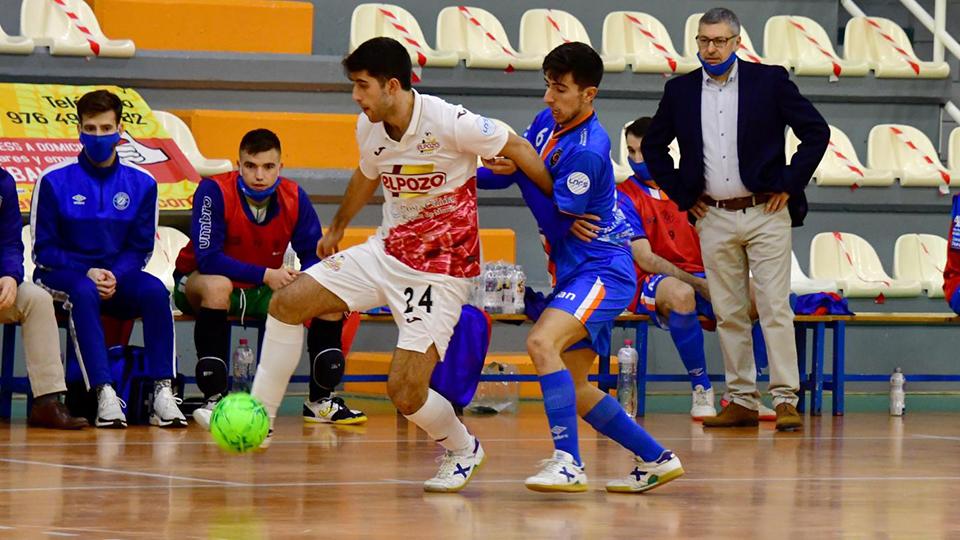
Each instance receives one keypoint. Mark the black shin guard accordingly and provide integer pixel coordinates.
(326, 357)
(211, 335)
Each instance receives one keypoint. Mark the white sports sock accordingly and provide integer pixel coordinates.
(282, 347)
(437, 418)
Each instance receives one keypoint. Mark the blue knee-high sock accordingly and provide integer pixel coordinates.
(560, 402)
(688, 337)
(759, 347)
(607, 417)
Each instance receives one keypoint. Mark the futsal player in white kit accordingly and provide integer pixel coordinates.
(420, 262)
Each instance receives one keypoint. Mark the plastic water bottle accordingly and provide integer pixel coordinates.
(506, 288)
(244, 366)
(898, 398)
(519, 288)
(627, 380)
(491, 293)
(290, 258)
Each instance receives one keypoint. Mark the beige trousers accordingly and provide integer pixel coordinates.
(41, 338)
(733, 245)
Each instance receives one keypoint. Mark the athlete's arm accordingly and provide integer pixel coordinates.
(650, 262)
(358, 194)
(522, 154)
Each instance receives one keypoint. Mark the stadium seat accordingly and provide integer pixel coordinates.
(69, 28)
(541, 30)
(644, 42)
(28, 265)
(921, 257)
(884, 46)
(907, 152)
(801, 284)
(15, 44)
(747, 50)
(953, 152)
(376, 20)
(840, 165)
(621, 166)
(181, 135)
(801, 43)
(169, 242)
(219, 132)
(478, 37)
(853, 263)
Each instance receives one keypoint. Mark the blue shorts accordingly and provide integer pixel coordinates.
(647, 303)
(596, 296)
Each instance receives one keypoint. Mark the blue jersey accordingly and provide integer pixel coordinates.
(578, 158)
(86, 217)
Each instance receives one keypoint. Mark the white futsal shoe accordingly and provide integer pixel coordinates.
(110, 409)
(559, 473)
(456, 470)
(702, 403)
(203, 414)
(647, 475)
(165, 412)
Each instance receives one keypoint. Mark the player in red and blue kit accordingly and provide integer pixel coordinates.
(594, 279)
(951, 271)
(243, 222)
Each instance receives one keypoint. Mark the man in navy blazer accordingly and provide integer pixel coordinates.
(729, 119)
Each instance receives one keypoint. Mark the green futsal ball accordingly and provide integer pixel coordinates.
(239, 423)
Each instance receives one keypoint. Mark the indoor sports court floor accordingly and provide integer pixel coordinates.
(864, 475)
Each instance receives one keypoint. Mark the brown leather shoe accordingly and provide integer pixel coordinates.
(788, 419)
(733, 415)
(48, 412)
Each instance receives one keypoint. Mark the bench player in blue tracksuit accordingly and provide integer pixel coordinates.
(594, 279)
(94, 222)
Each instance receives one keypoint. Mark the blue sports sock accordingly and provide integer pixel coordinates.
(688, 337)
(759, 348)
(560, 402)
(607, 417)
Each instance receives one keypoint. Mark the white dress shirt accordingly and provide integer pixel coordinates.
(719, 107)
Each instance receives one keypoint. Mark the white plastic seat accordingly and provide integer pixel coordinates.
(853, 263)
(801, 284)
(747, 51)
(907, 152)
(182, 135)
(541, 30)
(884, 46)
(166, 248)
(388, 20)
(77, 34)
(15, 44)
(921, 257)
(477, 36)
(801, 43)
(621, 165)
(28, 265)
(644, 42)
(840, 165)
(953, 151)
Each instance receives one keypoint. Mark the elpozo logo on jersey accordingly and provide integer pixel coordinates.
(413, 183)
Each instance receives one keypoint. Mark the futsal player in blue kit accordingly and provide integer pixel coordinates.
(594, 279)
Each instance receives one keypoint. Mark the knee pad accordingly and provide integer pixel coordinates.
(211, 375)
(327, 368)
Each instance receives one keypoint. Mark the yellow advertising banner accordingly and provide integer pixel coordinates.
(38, 128)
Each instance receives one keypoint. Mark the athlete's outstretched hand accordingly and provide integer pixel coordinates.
(278, 278)
(327, 245)
(584, 229)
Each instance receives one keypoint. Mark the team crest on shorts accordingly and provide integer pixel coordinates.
(121, 200)
(333, 262)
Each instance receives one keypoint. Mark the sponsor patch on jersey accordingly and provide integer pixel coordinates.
(486, 126)
(555, 157)
(121, 200)
(578, 183)
(428, 145)
(413, 183)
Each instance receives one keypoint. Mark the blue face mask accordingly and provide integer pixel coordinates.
(99, 148)
(718, 69)
(640, 169)
(258, 196)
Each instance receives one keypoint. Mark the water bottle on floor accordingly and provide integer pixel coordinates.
(491, 290)
(898, 398)
(627, 380)
(244, 367)
(519, 287)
